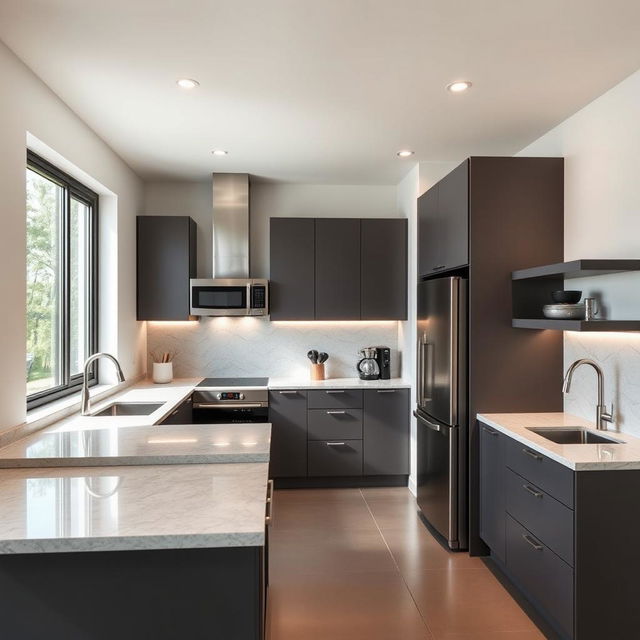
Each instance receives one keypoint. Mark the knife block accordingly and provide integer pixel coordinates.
(317, 371)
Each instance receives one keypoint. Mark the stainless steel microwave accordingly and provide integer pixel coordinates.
(229, 297)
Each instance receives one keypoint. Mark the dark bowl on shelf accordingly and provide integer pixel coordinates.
(566, 297)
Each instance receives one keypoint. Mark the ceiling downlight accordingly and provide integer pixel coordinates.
(460, 86)
(187, 83)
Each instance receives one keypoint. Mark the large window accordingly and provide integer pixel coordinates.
(62, 217)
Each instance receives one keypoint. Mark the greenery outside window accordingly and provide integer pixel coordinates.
(62, 226)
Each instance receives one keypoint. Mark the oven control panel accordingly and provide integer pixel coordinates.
(230, 395)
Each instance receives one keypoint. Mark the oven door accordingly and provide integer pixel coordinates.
(209, 409)
(220, 298)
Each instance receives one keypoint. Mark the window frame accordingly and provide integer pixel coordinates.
(72, 190)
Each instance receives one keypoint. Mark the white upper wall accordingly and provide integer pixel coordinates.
(602, 220)
(27, 105)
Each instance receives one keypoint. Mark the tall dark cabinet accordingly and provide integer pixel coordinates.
(487, 218)
(167, 259)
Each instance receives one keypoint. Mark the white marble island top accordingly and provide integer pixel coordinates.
(132, 508)
(147, 445)
(624, 454)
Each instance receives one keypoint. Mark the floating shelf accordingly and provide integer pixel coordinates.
(577, 269)
(576, 325)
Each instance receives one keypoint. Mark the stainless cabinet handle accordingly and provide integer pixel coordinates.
(439, 266)
(491, 432)
(336, 444)
(532, 454)
(532, 491)
(269, 508)
(335, 391)
(336, 413)
(532, 542)
(386, 390)
(249, 405)
(287, 393)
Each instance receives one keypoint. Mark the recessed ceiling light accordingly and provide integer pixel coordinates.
(187, 83)
(459, 86)
(405, 153)
(220, 152)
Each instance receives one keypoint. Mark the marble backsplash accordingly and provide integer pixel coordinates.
(619, 356)
(218, 347)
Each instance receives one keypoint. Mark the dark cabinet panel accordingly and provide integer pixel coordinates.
(429, 242)
(335, 399)
(383, 265)
(288, 417)
(292, 257)
(340, 424)
(183, 414)
(492, 489)
(337, 269)
(453, 217)
(166, 256)
(335, 458)
(386, 432)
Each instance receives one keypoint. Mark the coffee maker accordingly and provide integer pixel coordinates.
(383, 357)
(368, 368)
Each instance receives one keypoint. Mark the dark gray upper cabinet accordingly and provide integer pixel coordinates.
(337, 269)
(386, 432)
(288, 417)
(492, 489)
(383, 267)
(292, 251)
(443, 223)
(167, 258)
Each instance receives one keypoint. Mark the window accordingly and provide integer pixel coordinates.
(62, 224)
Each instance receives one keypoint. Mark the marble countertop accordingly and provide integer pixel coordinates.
(580, 457)
(337, 383)
(147, 445)
(132, 508)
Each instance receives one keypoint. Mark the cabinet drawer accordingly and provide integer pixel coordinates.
(335, 399)
(546, 578)
(547, 519)
(327, 424)
(335, 458)
(550, 476)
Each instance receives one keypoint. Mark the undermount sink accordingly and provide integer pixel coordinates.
(128, 409)
(573, 435)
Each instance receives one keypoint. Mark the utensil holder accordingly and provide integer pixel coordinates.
(317, 371)
(162, 372)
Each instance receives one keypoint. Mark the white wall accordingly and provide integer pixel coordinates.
(28, 106)
(602, 220)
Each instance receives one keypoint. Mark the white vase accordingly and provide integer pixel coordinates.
(162, 372)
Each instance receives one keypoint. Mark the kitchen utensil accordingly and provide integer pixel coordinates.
(368, 368)
(591, 309)
(317, 371)
(566, 297)
(564, 311)
(313, 356)
(323, 357)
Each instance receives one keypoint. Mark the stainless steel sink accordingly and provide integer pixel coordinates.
(128, 409)
(573, 435)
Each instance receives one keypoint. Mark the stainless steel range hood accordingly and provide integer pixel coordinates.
(231, 225)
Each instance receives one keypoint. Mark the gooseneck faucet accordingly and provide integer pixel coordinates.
(602, 416)
(85, 404)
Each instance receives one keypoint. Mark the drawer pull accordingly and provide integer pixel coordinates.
(336, 413)
(491, 432)
(288, 393)
(269, 508)
(532, 454)
(335, 391)
(532, 542)
(336, 444)
(386, 390)
(532, 491)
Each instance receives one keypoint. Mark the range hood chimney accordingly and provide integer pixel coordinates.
(231, 225)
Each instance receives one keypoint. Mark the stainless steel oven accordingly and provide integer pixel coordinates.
(229, 297)
(231, 400)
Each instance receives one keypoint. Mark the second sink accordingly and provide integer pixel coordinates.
(573, 435)
(128, 409)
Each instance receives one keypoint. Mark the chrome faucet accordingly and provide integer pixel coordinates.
(85, 404)
(602, 416)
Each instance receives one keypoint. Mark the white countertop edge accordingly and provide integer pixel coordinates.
(133, 543)
(338, 383)
(536, 443)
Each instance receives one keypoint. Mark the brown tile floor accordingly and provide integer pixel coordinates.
(351, 564)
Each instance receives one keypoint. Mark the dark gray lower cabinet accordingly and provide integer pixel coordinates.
(288, 417)
(567, 539)
(335, 458)
(386, 432)
(183, 414)
(492, 490)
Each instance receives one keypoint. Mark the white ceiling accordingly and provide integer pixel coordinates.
(321, 90)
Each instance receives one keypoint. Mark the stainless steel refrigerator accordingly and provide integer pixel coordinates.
(441, 410)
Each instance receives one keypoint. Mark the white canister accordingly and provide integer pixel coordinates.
(162, 372)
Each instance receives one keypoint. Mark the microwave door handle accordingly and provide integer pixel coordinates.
(248, 305)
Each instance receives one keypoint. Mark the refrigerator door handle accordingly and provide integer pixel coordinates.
(454, 351)
(453, 486)
(426, 423)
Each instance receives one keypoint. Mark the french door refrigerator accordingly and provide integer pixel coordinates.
(441, 411)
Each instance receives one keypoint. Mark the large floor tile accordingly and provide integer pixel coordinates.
(323, 496)
(321, 516)
(493, 635)
(393, 514)
(356, 607)
(465, 601)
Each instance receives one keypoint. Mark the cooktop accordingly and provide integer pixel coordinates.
(234, 382)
